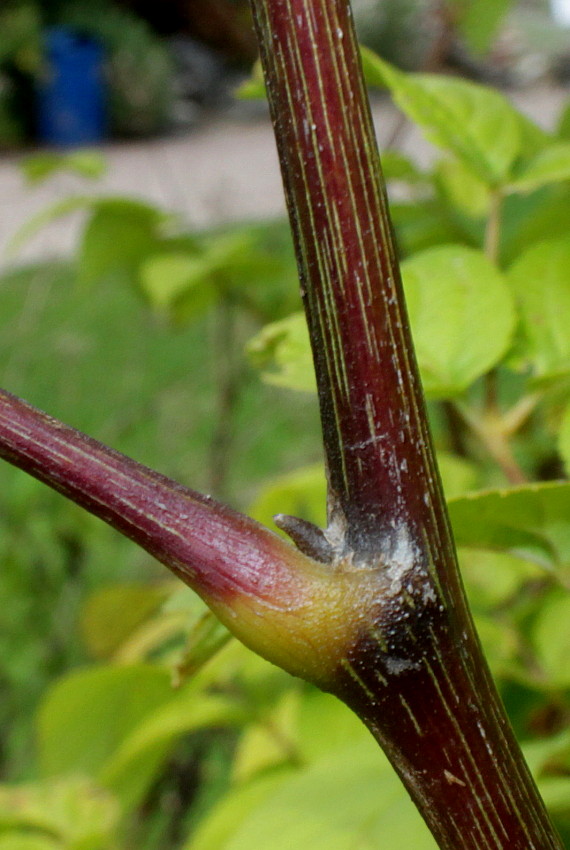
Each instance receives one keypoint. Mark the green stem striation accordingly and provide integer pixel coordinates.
(415, 673)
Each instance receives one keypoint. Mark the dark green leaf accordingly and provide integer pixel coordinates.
(531, 522)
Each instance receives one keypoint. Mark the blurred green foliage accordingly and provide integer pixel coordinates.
(138, 66)
(131, 719)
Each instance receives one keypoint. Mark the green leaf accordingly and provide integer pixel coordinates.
(149, 741)
(528, 219)
(217, 829)
(54, 212)
(304, 811)
(254, 87)
(22, 841)
(564, 439)
(325, 725)
(563, 127)
(462, 189)
(397, 166)
(462, 316)
(500, 643)
(78, 814)
(300, 493)
(268, 743)
(166, 277)
(284, 347)
(552, 754)
(118, 236)
(423, 224)
(85, 163)
(555, 791)
(551, 165)
(89, 713)
(551, 639)
(493, 578)
(188, 279)
(112, 613)
(531, 522)
(540, 281)
(458, 475)
(478, 21)
(474, 123)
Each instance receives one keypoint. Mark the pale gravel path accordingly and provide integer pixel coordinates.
(224, 170)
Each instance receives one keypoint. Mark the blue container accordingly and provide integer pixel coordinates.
(71, 96)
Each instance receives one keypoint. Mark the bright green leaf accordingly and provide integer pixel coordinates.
(479, 20)
(225, 818)
(54, 212)
(528, 219)
(458, 475)
(299, 493)
(77, 813)
(563, 127)
(462, 189)
(188, 279)
(304, 811)
(462, 316)
(551, 165)
(23, 841)
(282, 349)
(551, 639)
(85, 163)
(544, 755)
(500, 643)
(531, 522)
(493, 578)
(326, 725)
(118, 236)
(540, 281)
(254, 87)
(555, 791)
(397, 166)
(165, 277)
(564, 439)
(474, 123)
(112, 613)
(88, 714)
(148, 742)
(268, 743)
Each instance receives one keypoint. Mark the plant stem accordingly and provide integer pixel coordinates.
(493, 229)
(415, 673)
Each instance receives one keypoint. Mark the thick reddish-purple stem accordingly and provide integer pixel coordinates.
(378, 450)
(416, 674)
